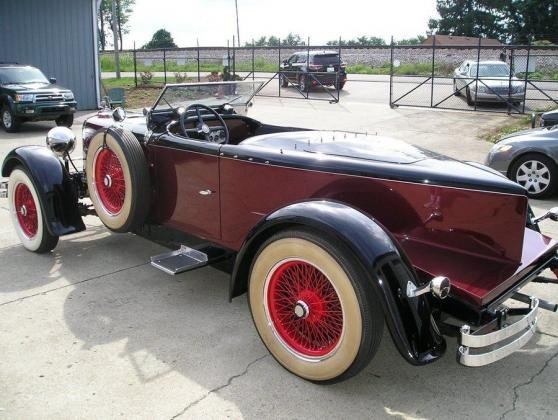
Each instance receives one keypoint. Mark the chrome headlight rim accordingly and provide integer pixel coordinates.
(68, 96)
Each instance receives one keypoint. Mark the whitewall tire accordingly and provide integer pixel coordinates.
(27, 215)
(118, 179)
(313, 310)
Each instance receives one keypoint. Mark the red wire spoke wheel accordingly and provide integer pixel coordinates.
(26, 213)
(26, 210)
(313, 308)
(305, 308)
(109, 181)
(118, 179)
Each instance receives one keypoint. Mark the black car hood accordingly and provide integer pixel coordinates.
(372, 156)
(35, 87)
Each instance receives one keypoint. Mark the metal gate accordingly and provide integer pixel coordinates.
(509, 79)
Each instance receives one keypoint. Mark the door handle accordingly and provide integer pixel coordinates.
(206, 192)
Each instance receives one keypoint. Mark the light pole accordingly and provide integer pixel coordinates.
(237, 27)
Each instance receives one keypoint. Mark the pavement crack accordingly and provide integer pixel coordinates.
(220, 387)
(528, 382)
(72, 284)
(548, 334)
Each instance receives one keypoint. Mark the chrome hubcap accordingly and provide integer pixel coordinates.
(301, 309)
(107, 181)
(534, 176)
(23, 211)
(7, 119)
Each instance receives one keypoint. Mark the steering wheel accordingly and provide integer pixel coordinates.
(201, 127)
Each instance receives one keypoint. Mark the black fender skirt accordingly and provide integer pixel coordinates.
(409, 320)
(56, 189)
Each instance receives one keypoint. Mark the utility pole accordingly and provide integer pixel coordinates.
(114, 24)
(237, 27)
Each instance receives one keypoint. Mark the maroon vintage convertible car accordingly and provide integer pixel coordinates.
(331, 234)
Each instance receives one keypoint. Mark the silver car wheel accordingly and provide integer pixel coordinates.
(7, 119)
(534, 176)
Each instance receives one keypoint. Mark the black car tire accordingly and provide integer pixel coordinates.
(456, 91)
(303, 83)
(65, 120)
(543, 168)
(14, 122)
(284, 81)
(27, 214)
(118, 179)
(350, 316)
(340, 85)
(470, 101)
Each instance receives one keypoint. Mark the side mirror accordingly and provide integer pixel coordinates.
(146, 111)
(119, 114)
(61, 140)
(52, 80)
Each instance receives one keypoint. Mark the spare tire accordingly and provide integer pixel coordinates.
(118, 179)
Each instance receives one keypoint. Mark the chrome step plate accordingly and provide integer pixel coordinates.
(180, 260)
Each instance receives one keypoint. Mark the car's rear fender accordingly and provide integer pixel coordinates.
(57, 191)
(387, 268)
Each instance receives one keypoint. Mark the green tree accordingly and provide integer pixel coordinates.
(475, 18)
(362, 41)
(292, 40)
(273, 41)
(419, 39)
(530, 20)
(124, 9)
(161, 39)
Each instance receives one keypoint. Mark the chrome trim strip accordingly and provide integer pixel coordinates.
(527, 323)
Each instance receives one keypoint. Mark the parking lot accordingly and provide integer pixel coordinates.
(92, 330)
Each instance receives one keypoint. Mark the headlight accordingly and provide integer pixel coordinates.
(24, 97)
(502, 147)
(69, 96)
(482, 89)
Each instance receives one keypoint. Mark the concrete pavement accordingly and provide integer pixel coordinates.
(92, 330)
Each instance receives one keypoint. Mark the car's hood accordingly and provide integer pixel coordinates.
(539, 133)
(35, 87)
(377, 156)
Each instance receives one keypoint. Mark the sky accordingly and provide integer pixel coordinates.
(213, 22)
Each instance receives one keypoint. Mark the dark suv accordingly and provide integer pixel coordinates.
(313, 68)
(27, 95)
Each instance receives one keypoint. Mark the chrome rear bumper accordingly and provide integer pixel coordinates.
(483, 349)
(3, 189)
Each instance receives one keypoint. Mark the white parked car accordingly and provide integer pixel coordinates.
(488, 81)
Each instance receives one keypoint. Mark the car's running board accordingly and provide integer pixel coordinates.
(180, 260)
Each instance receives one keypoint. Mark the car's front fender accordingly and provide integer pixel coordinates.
(388, 269)
(57, 192)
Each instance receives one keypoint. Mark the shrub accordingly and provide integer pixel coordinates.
(146, 77)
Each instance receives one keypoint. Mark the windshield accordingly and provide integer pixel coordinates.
(491, 70)
(210, 94)
(21, 75)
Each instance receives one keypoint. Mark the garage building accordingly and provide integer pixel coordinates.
(57, 36)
